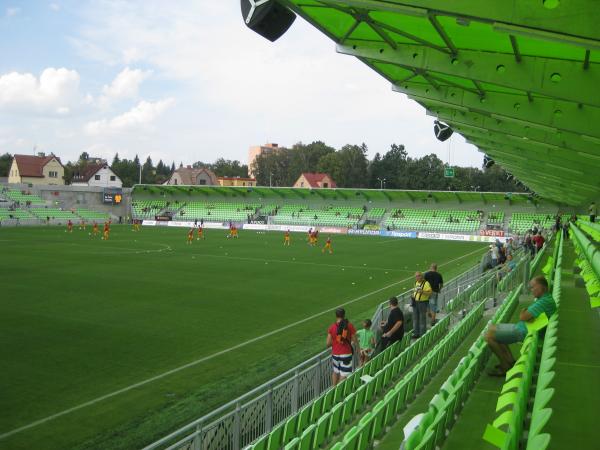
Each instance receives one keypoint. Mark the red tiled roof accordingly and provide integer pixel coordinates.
(89, 171)
(32, 166)
(315, 178)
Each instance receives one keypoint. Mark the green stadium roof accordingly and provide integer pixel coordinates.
(518, 79)
(300, 194)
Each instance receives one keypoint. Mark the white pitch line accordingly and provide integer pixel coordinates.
(209, 357)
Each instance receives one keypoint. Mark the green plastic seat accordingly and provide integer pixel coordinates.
(365, 427)
(303, 418)
(321, 430)
(379, 416)
(316, 409)
(261, 443)
(276, 437)
(539, 442)
(359, 402)
(336, 419)
(307, 438)
(351, 438)
(294, 444)
(289, 430)
(348, 408)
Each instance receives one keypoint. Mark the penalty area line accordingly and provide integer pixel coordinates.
(211, 356)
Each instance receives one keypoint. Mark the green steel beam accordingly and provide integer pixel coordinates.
(533, 74)
(576, 25)
(553, 140)
(531, 154)
(553, 154)
(544, 113)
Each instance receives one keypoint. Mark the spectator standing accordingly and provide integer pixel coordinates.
(499, 336)
(366, 340)
(421, 293)
(495, 254)
(538, 240)
(593, 210)
(393, 328)
(340, 336)
(436, 281)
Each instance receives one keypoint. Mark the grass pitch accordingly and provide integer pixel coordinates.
(94, 334)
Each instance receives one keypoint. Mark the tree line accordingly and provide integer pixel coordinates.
(350, 168)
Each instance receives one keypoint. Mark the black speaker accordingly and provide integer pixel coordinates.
(267, 17)
(442, 131)
(488, 162)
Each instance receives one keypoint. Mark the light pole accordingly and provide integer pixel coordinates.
(270, 179)
(381, 182)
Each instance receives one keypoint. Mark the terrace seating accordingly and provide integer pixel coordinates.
(496, 218)
(434, 220)
(21, 214)
(376, 213)
(146, 209)
(23, 197)
(336, 216)
(216, 212)
(521, 222)
(54, 213)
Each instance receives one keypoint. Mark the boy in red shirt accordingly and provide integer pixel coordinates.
(340, 336)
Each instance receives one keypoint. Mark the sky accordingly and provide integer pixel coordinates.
(187, 81)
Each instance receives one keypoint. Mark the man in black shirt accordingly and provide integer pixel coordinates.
(393, 329)
(437, 282)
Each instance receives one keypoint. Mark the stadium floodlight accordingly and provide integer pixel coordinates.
(442, 131)
(267, 18)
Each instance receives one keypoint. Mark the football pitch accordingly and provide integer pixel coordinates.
(113, 344)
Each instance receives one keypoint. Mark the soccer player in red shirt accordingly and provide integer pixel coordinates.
(70, 226)
(340, 336)
(190, 237)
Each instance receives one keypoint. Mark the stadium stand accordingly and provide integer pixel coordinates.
(495, 218)
(22, 197)
(340, 216)
(146, 209)
(216, 211)
(434, 220)
(376, 213)
(521, 222)
(53, 213)
(20, 214)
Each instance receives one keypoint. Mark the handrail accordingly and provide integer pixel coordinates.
(588, 248)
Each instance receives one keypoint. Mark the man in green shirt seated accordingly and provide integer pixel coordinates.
(499, 336)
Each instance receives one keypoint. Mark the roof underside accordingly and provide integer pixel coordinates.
(515, 78)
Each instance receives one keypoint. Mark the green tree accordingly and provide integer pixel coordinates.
(5, 163)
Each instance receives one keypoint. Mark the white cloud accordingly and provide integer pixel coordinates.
(12, 11)
(125, 85)
(140, 116)
(54, 6)
(56, 91)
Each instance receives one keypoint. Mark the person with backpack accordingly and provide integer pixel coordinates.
(340, 337)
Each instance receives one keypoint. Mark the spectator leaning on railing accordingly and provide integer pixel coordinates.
(420, 302)
(340, 336)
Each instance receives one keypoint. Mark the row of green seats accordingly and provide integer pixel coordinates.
(20, 214)
(540, 415)
(496, 217)
(337, 406)
(376, 213)
(322, 417)
(445, 406)
(587, 255)
(373, 424)
(53, 213)
(18, 196)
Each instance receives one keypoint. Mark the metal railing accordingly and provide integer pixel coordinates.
(238, 423)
